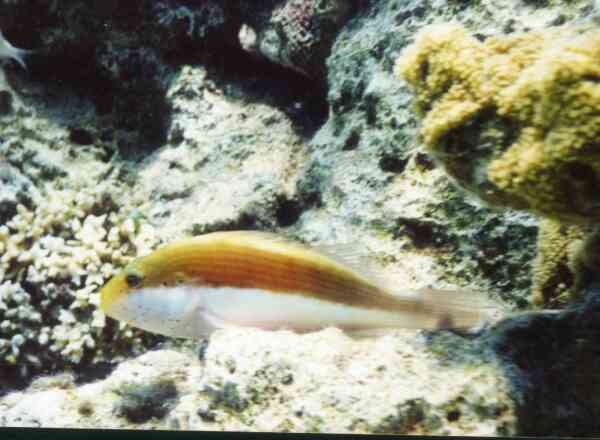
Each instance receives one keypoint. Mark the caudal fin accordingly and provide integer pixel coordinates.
(7, 50)
(455, 308)
(19, 56)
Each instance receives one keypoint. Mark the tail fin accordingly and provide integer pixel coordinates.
(19, 56)
(456, 308)
(7, 50)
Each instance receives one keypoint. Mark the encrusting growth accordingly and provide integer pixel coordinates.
(557, 271)
(515, 120)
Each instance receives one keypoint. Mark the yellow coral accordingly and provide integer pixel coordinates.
(443, 66)
(589, 252)
(514, 118)
(556, 273)
(558, 98)
(568, 259)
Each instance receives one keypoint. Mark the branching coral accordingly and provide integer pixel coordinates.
(53, 259)
(513, 118)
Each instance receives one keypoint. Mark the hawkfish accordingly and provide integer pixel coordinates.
(190, 288)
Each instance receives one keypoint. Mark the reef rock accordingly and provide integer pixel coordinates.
(249, 380)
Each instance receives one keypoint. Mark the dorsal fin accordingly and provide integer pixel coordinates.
(351, 255)
(348, 254)
(259, 235)
(354, 256)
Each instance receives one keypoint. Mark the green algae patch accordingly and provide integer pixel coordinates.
(140, 403)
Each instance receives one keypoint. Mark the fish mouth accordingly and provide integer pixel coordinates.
(110, 296)
(105, 303)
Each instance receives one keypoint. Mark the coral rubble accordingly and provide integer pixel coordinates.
(320, 382)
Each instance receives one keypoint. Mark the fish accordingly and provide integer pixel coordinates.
(8, 51)
(192, 287)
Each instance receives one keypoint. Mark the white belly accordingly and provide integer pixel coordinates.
(191, 311)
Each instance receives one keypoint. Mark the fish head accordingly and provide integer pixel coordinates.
(140, 276)
(157, 295)
(120, 286)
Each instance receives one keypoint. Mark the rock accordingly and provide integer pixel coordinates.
(404, 382)
(294, 33)
(140, 403)
(40, 409)
(558, 377)
(367, 169)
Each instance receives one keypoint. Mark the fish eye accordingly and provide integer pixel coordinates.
(133, 280)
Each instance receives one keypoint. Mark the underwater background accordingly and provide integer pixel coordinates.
(456, 142)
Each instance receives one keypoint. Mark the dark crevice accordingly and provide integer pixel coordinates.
(13, 378)
(393, 164)
(288, 212)
(136, 102)
(422, 233)
(97, 371)
(352, 140)
(302, 99)
(453, 416)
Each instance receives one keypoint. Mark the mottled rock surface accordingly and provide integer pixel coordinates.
(323, 382)
(294, 33)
